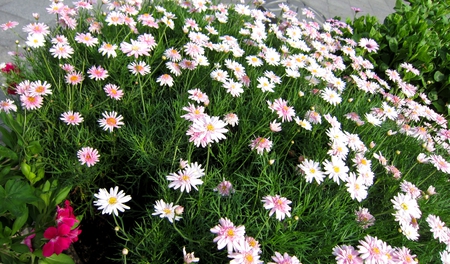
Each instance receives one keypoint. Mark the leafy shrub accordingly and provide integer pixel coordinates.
(416, 33)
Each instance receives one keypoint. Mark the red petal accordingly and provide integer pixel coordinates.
(51, 232)
(48, 249)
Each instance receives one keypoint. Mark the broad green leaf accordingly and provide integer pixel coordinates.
(7, 153)
(393, 44)
(20, 221)
(15, 196)
(62, 194)
(8, 137)
(11, 122)
(20, 248)
(34, 147)
(59, 259)
(438, 76)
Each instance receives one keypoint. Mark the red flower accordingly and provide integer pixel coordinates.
(64, 215)
(12, 89)
(59, 240)
(10, 67)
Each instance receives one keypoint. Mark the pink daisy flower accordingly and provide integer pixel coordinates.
(113, 91)
(228, 235)
(110, 121)
(368, 44)
(135, 48)
(97, 73)
(72, 118)
(31, 102)
(231, 119)
(107, 49)
(207, 130)
(346, 255)
(7, 106)
(172, 54)
(86, 39)
(68, 67)
(364, 218)
(148, 39)
(225, 188)
(61, 51)
(165, 79)
(74, 78)
(88, 156)
(284, 259)
(194, 112)
(284, 111)
(37, 29)
(372, 250)
(8, 25)
(198, 96)
(278, 205)
(39, 88)
(139, 68)
(261, 144)
(184, 179)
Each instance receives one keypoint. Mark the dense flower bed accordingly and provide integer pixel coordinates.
(224, 130)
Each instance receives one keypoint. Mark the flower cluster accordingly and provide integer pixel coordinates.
(442, 233)
(63, 234)
(373, 250)
(407, 210)
(242, 248)
(187, 178)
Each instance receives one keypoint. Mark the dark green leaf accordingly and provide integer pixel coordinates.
(62, 194)
(8, 137)
(393, 44)
(438, 76)
(20, 221)
(7, 153)
(59, 259)
(15, 196)
(34, 147)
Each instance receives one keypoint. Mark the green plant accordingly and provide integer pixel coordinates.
(236, 135)
(416, 33)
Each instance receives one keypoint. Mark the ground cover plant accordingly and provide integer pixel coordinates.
(221, 130)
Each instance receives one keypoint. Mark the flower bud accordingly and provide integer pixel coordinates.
(179, 210)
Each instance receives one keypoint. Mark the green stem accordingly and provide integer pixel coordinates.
(418, 185)
(182, 235)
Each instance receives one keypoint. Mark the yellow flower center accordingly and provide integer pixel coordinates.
(336, 169)
(230, 232)
(112, 200)
(40, 89)
(210, 127)
(74, 78)
(111, 121)
(167, 211)
(376, 250)
(185, 177)
(404, 206)
(312, 170)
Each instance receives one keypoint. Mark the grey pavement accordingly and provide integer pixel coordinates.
(22, 10)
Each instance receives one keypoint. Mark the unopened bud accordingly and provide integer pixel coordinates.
(179, 210)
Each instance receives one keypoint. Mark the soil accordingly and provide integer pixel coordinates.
(95, 242)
